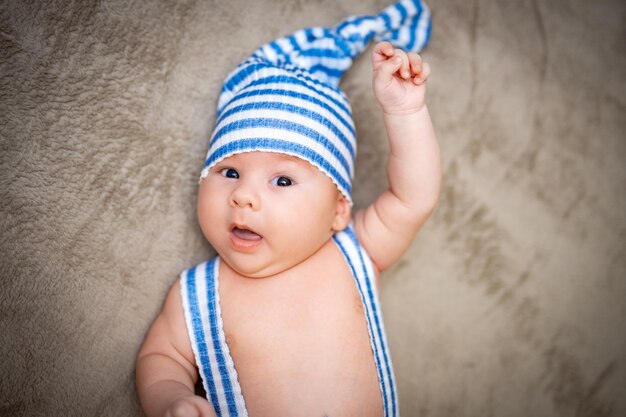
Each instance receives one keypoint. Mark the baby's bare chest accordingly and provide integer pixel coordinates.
(300, 342)
(302, 308)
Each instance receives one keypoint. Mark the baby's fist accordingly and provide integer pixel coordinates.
(192, 406)
(398, 79)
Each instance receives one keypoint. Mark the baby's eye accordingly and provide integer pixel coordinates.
(229, 173)
(282, 181)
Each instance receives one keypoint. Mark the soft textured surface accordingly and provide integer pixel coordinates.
(511, 300)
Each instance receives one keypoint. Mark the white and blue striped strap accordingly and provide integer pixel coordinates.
(200, 297)
(362, 269)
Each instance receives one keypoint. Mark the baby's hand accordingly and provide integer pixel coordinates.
(191, 406)
(399, 79)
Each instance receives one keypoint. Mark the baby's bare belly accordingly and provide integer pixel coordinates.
(300, 342)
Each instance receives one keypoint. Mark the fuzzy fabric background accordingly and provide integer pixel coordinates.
(511, 301)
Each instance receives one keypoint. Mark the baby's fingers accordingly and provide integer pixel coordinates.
(382, 52)
(420, 78)
(405, 67)
(416, 63)
(420, 69)
(385, 72)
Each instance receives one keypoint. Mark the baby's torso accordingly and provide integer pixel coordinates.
(300, 341)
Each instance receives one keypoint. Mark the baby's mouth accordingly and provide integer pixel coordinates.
(245, 234)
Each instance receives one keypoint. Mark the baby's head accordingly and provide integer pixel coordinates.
(278, 176)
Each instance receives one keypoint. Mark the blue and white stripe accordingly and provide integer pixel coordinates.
(201, 305)
(287, 93)
(363, 272)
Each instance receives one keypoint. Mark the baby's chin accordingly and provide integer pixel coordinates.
(258, 271)
(258, 267)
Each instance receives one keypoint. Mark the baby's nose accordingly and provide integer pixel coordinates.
(245, 196)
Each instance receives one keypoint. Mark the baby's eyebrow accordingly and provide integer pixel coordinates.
(288, 163)
(295, 162)
(293, 168)
(221, 165)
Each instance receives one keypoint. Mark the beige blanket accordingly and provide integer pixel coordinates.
(509, 303)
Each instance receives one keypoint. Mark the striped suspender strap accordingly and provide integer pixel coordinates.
(200, 298)
(363, 271)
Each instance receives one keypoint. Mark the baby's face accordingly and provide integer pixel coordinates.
(265, 212)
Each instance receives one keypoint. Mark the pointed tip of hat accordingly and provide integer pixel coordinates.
(327, 53)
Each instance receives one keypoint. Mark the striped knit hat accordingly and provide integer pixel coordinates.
(286, 98)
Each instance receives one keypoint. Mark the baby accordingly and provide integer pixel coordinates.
(286, 320)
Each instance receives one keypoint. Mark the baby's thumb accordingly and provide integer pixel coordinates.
(182, 409)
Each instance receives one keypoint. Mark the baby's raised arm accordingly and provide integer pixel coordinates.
(165, 368)
(388, 226)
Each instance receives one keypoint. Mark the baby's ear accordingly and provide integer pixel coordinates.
(342, 214)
